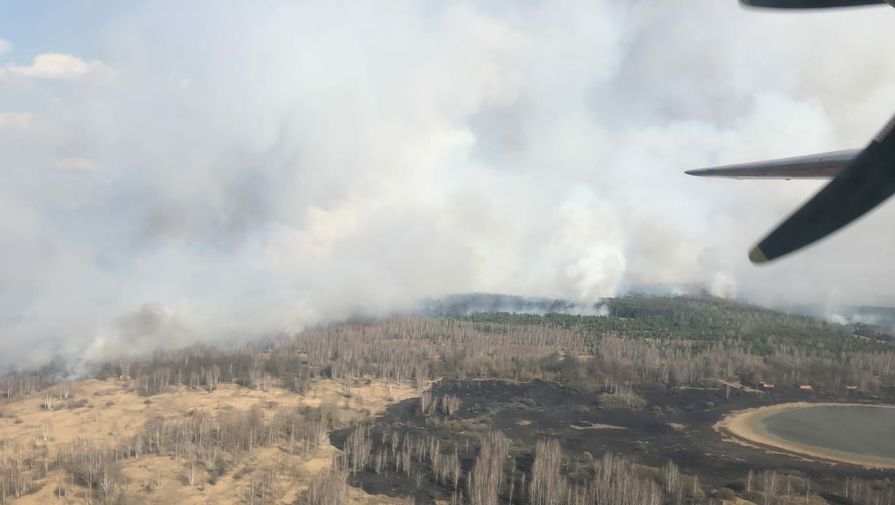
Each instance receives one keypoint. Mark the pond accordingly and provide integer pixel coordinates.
(854, 433)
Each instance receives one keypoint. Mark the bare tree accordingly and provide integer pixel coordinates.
(486, 475)
(331, 488)
(548, 486)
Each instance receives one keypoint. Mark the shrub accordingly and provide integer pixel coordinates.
(622, 400)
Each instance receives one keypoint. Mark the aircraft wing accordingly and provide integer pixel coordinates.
(865, 182)
(814, 166)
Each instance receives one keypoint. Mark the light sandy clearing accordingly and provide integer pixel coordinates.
(112, 411)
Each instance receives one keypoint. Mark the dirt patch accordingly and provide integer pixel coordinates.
(741, 387)
(108, 411)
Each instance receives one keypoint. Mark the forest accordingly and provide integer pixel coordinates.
(640, 343)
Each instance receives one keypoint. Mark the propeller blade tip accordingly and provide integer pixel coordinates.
(757, 256)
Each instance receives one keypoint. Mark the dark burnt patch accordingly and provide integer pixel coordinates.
(676, 424)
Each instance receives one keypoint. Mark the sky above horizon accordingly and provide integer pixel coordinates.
(172, 172)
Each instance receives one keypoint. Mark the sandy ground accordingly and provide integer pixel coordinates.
(743, 427)
(112, 411)
(741, 387)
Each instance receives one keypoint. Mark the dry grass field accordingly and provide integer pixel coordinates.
(105, 412)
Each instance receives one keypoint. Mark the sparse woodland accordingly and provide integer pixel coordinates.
(207, 447)
(674, 341)
(643, 341)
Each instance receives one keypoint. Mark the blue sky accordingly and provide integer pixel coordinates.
(43, 26)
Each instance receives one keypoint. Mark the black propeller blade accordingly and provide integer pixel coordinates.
(862, 185)
(809, 4)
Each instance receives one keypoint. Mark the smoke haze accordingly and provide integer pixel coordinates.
(198, 173)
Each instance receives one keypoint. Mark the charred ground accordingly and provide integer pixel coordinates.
(675, 424)
(607, 404)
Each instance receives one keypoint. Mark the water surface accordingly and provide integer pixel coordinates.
(849, 430)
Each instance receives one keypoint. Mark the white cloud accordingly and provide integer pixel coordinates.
(5, 46)
(60, 66)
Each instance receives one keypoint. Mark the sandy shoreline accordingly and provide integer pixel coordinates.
(744, 426)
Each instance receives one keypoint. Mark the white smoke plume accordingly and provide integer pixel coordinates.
(225, 173)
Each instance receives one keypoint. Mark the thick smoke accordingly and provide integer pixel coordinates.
(219, 174)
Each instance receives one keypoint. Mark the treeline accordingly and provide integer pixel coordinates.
(202, 367)
(417, 349)
(706, 319)
(16, 383)
(684, 340)
(398, 349)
